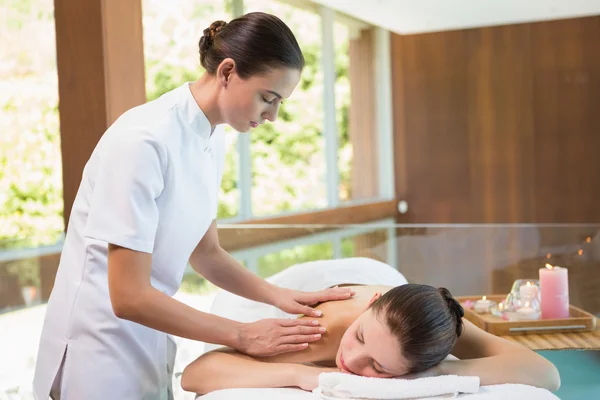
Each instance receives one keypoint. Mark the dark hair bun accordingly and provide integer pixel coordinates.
(208, 37)
(455, 308)
(256, 42)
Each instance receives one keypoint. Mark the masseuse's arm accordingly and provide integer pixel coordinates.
(215, 264)
(135, 299)
(497, 361)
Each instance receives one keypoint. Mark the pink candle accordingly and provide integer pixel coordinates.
(554, 285)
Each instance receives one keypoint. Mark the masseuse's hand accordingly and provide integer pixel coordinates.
(269, 337)
(297, 302)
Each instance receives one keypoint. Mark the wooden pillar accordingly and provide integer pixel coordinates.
(362, 127)
(100, 60)
(363, 133)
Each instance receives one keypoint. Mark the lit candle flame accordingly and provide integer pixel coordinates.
(483, 298)
(588, 239)
(528, 283)
(580, 252)
(549, 266)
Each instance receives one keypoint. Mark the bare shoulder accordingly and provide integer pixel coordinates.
(334, 320)
(474, 342)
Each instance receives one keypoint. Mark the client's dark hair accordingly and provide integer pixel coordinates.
(256, 42)
(427, 321)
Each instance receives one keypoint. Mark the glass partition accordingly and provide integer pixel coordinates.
(466, 259)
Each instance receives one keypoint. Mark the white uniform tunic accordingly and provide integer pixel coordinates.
(150, 185)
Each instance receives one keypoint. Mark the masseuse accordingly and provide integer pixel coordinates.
(146, 207)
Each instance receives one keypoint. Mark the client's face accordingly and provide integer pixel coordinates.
(368, 348)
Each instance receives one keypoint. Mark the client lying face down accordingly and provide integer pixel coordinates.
(409, 329)
(382, 332)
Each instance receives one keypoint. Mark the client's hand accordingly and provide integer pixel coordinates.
(307, 377)
(297, 302)
(269, 337)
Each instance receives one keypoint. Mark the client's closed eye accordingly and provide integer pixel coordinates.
(358, 337)
(374, 367)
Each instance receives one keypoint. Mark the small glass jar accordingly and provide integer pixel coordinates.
(523, 301)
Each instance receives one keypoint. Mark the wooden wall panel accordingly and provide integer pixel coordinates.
(435, 89)
(500, 124)
(566, 69)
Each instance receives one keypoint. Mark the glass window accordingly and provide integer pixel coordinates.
(31, 203)
(273, 263)
(341, 38)
(288, 158)
(171, 33)
(372, 245)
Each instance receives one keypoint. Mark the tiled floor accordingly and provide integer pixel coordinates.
(19, 339)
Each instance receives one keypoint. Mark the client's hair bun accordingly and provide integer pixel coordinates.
(455, 308)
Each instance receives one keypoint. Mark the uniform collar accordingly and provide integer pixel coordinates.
(194, 115)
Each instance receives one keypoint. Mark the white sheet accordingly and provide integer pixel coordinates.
(319, 275)
(495, 392)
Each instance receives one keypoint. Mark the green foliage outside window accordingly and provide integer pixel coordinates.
(31, 208)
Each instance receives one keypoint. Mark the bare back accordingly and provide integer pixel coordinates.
(337, 317)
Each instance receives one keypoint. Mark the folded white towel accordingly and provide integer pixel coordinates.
(337, 385)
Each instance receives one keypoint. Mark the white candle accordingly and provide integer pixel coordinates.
(483, 306)
(527, 313)
(528, 290)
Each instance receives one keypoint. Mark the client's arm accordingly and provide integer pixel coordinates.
(496, 361)
(227, 369)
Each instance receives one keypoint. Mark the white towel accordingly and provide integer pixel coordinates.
(337, 385)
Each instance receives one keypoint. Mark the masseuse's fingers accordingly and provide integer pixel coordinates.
(300, 327)
(299, 339)
(306, 310)
(298, 331)
(331, 294)
(266, 337)
(298, 322)
(288, 348)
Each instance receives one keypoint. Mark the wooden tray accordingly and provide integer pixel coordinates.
(579, 321)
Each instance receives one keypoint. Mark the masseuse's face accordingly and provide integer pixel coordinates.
(247, 103)
(368, 348)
